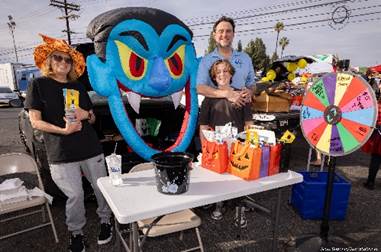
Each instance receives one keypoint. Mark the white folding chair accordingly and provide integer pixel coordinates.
(14, 163)
(170, 223)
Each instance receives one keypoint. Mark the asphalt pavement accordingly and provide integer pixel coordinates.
(360, 231)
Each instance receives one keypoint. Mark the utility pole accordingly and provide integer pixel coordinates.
(68, 7)
(12, 27)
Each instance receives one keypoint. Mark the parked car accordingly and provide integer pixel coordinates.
(9, 97)
(161, 109)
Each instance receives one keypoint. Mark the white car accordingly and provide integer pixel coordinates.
(9, 97)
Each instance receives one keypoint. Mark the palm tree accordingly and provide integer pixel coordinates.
(283, 42)
(278, 28)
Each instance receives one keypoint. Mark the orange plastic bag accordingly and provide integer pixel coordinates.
(244, 161)
(274, 162)
(215, 156)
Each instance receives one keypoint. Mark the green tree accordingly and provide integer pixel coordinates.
(211, 45)
(283, 42)
(256, 49)
(274, 57)
(239, 46)
(279, 26)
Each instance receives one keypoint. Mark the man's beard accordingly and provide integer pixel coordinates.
(224, 47)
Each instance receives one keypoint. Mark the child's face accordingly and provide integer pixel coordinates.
(223, 75)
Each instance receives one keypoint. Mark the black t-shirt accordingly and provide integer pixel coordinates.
(220, 111)
(46, 95)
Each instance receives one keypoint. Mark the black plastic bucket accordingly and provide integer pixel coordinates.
(172, 171)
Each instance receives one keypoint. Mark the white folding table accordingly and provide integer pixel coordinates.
(138, 198)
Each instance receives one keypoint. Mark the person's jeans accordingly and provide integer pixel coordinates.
(68, 178)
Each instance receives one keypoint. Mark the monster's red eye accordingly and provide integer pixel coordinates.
(175, 62)
(137, 65)
(133, 65)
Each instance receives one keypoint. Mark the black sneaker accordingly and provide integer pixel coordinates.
(77, 243)
(105, 235)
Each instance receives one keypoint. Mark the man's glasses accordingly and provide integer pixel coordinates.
(59, 58)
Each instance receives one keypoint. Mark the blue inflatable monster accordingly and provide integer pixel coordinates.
(143, 52)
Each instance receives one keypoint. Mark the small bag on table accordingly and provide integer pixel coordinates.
(215, 156)
(265, 161)
(245, 161)
(274, 162)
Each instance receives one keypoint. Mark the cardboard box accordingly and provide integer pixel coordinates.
(272, 103)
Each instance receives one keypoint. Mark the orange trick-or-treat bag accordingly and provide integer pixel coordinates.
(244, 160)
(215, 156)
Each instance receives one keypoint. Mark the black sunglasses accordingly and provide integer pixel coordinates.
(59, 58)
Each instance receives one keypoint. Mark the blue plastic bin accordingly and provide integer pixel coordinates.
(308, 197)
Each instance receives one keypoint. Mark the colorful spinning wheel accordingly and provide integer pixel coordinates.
(338, 114)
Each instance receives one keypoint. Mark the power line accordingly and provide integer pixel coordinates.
(261, 30)
(320, 25)
(66, 7)
(266, 14)
(290, 25)
(26, 18)
(298, 17)
(279, 11)
(262, 9)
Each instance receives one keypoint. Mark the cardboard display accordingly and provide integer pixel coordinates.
(272, 103)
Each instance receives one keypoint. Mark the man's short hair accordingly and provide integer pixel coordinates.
(224, 19)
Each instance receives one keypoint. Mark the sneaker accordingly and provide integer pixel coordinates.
(77, 243)
(217, 213)
(240, 217)
(105, 235)
(369, 185)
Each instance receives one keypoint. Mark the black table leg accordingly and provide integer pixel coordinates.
(324, 228)
(135, 237)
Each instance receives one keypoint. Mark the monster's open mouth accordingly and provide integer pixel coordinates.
(135, 100)
(237, 165)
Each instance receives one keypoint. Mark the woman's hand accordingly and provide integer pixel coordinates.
(81, 114)
(72, 127)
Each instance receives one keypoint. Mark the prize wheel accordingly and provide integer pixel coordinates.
(338, 113)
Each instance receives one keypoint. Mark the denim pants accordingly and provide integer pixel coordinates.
(68, 178)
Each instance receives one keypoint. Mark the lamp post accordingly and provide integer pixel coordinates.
(12, 26)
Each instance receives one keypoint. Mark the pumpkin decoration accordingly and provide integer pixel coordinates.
(244, 160)
(215, 156)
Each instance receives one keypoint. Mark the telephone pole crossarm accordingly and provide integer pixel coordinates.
(66, 7)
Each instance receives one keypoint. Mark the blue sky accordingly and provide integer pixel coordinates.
(358, 38)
